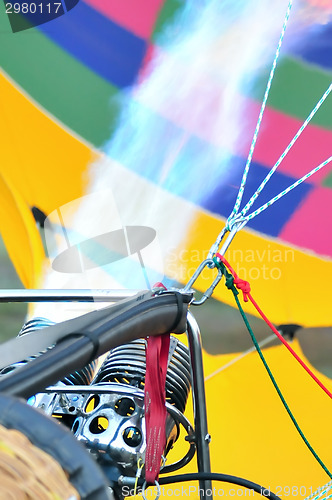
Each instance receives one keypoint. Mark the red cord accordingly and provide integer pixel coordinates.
(245, 287)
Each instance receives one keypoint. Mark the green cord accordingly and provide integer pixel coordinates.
(230, 285)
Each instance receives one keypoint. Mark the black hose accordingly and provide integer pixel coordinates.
(153, 316)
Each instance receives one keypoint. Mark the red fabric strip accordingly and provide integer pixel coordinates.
(155, 399)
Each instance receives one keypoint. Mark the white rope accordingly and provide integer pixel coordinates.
(320, 492)
(239, 357)
(286, 151)
(260, 117)
(259, 210)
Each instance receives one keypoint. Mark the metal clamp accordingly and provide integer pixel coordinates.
(207, 294)
(215, 247)
(158, 490)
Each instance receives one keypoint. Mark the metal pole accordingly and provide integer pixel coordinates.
(202, 436)
(67, 295)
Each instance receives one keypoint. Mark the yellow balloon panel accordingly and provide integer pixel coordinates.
(20, 234)
(44, 165)
(48, 164)
(253, 436)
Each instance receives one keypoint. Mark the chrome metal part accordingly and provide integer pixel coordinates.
(86, 390)
(235, 228)
(157, 494)
(207, 294)
(68, 295)
(112, 427)
(62, 405)
(215, 247)
(232, 226)
(111, 422)
(108, 415)
(126, 365)
(197, 273)
(199, 404)
(110, 393)
(237, 225)
(59, 404)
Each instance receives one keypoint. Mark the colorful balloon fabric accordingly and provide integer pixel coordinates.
(62, 87)
(72, 71)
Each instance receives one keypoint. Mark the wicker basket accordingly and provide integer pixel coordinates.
(29, 473)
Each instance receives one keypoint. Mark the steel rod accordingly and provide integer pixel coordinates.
(200, 417)
(67, 295)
